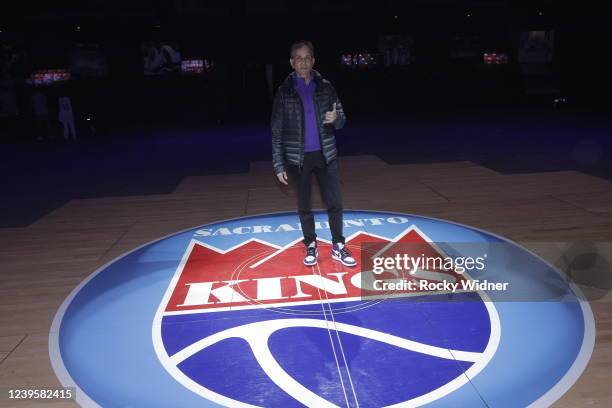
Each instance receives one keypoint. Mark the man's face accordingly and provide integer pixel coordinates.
(302, 62)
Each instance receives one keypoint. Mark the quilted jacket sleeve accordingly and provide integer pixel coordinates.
(277, 133)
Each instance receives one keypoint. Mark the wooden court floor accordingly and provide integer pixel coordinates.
(43, 262)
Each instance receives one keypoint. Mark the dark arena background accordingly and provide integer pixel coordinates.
(150, 257)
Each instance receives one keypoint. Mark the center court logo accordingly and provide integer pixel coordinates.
(235, 318)
(267, 294)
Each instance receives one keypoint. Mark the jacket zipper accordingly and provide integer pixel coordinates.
(319, 128)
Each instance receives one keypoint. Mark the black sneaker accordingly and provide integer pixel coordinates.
(340, 253)
(311, 254)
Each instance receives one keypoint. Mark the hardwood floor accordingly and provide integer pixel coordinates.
(42, 263)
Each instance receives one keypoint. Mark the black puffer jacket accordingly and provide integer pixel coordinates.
(288, 123)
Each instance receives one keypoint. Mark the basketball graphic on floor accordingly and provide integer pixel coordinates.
(226, 314)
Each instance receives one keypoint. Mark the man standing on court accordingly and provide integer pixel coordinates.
(305, 112)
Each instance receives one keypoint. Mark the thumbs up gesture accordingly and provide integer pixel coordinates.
(330, 116)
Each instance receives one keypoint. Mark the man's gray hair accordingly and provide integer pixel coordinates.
(299, 44)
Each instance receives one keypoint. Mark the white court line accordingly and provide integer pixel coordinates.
(331, 340)
(281, 249)
(348, 371)
(259, 330)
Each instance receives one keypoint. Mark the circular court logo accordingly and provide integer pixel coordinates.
(227, 314)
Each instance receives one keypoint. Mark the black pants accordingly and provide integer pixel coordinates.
(329, 184)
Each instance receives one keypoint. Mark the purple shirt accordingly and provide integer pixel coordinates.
(312, 142)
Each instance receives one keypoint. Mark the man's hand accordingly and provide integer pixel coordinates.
(330, 117)
(282, 177)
